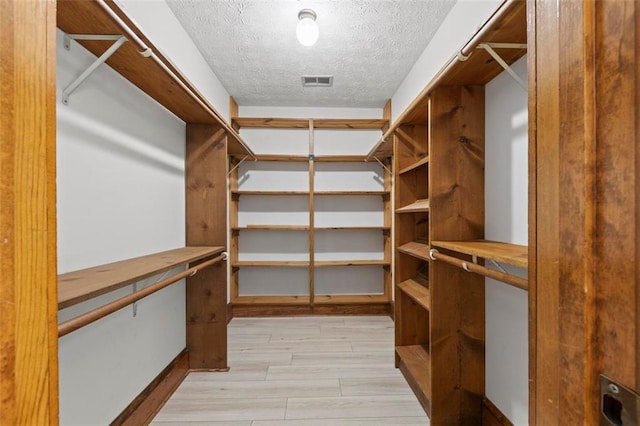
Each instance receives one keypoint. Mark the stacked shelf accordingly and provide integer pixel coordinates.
(339, 240)
(511, 254)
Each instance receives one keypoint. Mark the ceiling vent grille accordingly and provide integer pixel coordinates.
(317, 80)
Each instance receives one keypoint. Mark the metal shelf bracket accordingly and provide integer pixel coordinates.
(489, 47)
(119, 41)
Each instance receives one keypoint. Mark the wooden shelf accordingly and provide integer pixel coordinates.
(88, 17)
(353, 228)
(424, 160)
(382, 193)
(272, 264)
(283, 158)
(79, 286)
(418, 206)
(340, 158)
(301, 123)
(271, 300)
(326, 263)
(415, 365)
(271, 228)
(511, 254)
(348, 299)
(418, 290)
(281, 193)
(416, 249)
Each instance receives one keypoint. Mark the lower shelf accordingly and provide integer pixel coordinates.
(271, 300)
(414, 363)
(350, 298)
(415, 249)
(418, 290)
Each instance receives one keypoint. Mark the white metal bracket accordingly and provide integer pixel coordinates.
(498, 266)
(489, 47)
(383, 165)
(119, 41)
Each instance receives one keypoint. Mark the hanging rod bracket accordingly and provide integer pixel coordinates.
(498, 266)
(489, 48)
(432, 254)
(382, 164)
(82, 77)
(66, 39)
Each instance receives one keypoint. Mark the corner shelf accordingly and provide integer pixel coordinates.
(511, 254)
(79, 286)
(415, 364)
(416, 207)
(415, 249)
(418, 290)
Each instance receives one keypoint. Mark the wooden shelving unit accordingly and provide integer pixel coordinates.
(78, 286)
(331, 303)
(437, 145)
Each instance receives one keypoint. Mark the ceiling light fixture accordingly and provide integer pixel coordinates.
(307, 30)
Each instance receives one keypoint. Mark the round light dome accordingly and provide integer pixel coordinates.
(307, 30)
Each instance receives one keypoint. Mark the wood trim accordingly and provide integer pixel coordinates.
(492, 416)
(229, 312)
(257, 310)
(28, 299)
(148, 403)
(386, 115)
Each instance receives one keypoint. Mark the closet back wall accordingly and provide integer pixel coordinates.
(120, 195)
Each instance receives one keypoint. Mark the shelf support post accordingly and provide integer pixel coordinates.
(103, 58)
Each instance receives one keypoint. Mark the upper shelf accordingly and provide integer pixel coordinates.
(507, 25)
(78, 286)
(155, 75)
(417, 206)
(511, 254)
(318, 123)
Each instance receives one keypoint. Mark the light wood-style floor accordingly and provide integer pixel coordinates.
(311, 371)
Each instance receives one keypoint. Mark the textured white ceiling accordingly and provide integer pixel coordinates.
(368, 46)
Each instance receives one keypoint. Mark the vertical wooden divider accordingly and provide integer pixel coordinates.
(457, 213)
(206, 217)
(233, 223)
(311, 218)
(387, 223)
(28, 276)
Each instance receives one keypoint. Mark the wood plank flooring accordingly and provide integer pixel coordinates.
(300, 371)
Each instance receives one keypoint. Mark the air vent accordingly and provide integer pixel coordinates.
(317, 80)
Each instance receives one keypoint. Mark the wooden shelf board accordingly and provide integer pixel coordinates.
(353, 228)
(88, 17)
(301, 123)
(511, 254)
(417, 289)
(325, 299)
(327, 263)
(271, 228)
(283, 158)
(383, 148)
(271, 300)
(281, 193)
(382, 193)
(271, 264)
(424, 160)
(78, 286)
(415, 249)
(415, 365)
(418, 206)
(340, 158)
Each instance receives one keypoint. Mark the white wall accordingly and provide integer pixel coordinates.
(160, 25)
(120, 185)
(460, 24)
(506, 220)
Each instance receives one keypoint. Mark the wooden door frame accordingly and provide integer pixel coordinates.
(28, 277)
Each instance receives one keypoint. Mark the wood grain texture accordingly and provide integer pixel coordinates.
(414, 364)
(275, 310)
(301, 123)
(28, 312)
(421, 205)
(206, 216)
(492, 416)
(415, 249)
(148, 402)
(457, 213)
(512, 254)
(78, 286)
(417, 290)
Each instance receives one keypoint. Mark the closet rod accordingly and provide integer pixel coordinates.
(146, 51)
(490, 25)
(87, 318)
(478, 269)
